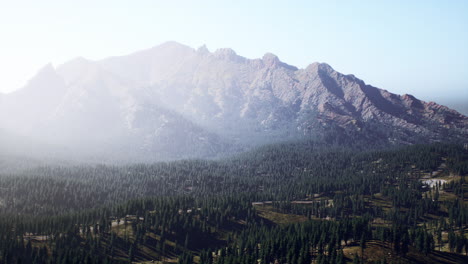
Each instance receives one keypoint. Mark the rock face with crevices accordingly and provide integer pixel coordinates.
(172, 101)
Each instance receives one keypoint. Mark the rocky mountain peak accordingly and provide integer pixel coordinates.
(319, 66)
(270, 60)
(47, 69)
(226, 54)
(203, 50)
(325, 68)
(171, 45)
(47, 75)
(214, 102)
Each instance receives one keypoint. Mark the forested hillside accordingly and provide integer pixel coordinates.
(289, 203)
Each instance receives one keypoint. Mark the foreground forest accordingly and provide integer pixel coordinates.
(286, 203)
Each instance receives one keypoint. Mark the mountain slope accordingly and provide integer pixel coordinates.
(268, 96)
(172, 101)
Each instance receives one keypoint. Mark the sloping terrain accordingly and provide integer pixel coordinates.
(173, 102)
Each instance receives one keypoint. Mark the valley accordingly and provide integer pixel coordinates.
(299, 203)
(233, 132)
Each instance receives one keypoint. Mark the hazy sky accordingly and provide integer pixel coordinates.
(416, 47)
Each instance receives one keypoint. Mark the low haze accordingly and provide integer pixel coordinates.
(417, 48)
(216, 132)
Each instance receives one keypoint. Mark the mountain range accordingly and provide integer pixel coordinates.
(174, 102)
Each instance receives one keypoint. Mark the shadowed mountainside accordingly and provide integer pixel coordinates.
(172, 102)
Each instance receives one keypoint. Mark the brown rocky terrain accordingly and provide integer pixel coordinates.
(172, 101)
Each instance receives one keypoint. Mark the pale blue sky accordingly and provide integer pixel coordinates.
(416, 47)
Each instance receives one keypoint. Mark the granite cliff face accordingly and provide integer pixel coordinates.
(173, 101)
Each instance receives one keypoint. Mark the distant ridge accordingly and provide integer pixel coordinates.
(172, 101)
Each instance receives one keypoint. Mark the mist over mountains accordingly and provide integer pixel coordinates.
(174, 102)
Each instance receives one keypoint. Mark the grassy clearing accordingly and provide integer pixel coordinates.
(376, 251)
(270, 214)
